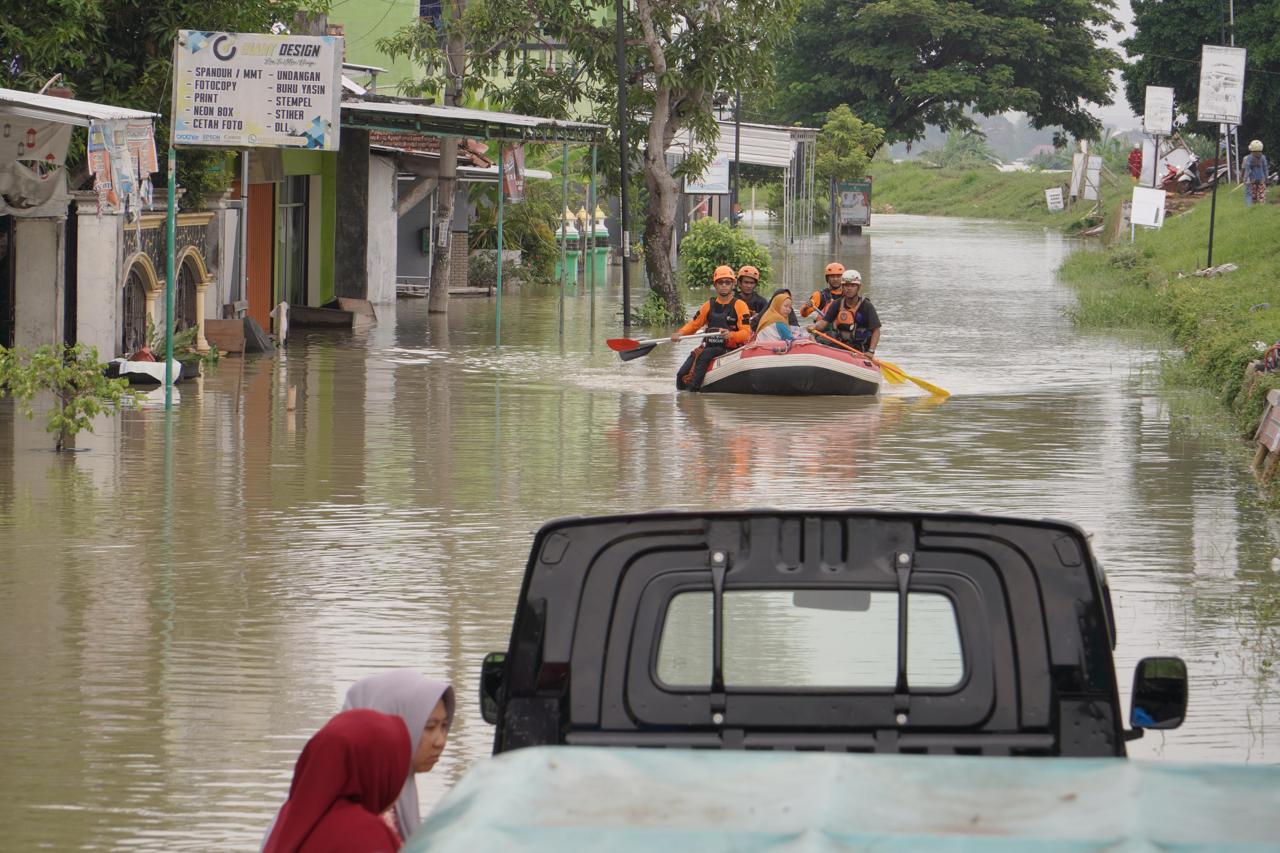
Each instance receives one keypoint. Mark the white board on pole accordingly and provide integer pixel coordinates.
(1221, 84)
(1157, 117)
(714, 181)
(1077, 174)
(1148, 207)
(253, 90)
(1053, 198)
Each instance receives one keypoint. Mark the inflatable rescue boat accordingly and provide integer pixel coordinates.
(802, 367)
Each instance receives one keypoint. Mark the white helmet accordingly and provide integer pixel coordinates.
(1255, 145)
(851, 277)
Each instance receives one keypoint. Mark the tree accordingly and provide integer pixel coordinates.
(120, 52)
(845, 146)
(680, 54)
(905, 64)
(1167, 39)
(73, 376)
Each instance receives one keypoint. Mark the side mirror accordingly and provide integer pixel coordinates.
(1159, 694)
(492, 674)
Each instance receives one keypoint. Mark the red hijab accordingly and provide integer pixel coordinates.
(349, 773)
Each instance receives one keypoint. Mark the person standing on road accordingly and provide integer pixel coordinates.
(725, 314)
(1254, 170)
(852, 319)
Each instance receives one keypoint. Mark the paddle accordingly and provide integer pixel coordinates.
(891, 371)
(629, 350)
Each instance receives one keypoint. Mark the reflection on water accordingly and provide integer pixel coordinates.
(176, 618)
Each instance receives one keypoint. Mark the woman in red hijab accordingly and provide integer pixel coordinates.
(349, 773)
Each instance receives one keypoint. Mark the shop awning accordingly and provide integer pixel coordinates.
(65, 110)
(436, 120)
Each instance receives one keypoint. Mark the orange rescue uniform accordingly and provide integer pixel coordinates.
(731, 315)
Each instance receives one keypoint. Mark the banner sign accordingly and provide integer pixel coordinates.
(1221, 84)
(1157, 117)
(715, 181)
(122, 157)
(855, 202)
(513, 172)
(33, 181)
(1053, 198)
(1092, 178)
(252, 90)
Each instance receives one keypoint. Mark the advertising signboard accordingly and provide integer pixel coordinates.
(252, 90)
(855, 202)
(513, 174)
(715, 181)
(1221, 84)
(1157, 116)
(1148, 207)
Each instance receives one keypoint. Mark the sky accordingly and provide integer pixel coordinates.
(1119, 115)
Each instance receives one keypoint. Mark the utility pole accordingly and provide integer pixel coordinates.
(735, 207)
(624, 219)
(441, 259)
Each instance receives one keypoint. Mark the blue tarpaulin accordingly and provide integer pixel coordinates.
(556, 799)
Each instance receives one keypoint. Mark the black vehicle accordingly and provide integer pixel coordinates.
(836, 631)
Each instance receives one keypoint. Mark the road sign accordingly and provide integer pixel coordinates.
(1221, 84)
(252, 90)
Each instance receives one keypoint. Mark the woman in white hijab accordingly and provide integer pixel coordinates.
(426, 706)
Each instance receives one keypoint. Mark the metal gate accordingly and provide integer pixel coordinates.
(135, 312)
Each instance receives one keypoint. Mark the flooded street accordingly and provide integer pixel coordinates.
(185, 603)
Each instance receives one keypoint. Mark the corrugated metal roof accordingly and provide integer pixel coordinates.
(66, 110)
(438, 120)
(761, 144)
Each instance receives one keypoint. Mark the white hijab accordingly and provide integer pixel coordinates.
(412, 697)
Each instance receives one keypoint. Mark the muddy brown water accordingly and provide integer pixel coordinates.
(184, 603)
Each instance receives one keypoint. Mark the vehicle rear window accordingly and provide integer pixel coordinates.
(816, 639)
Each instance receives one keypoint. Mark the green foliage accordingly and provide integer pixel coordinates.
(529, 226)
(1167, 39)
(73, 376)
(120, 52)
(1060, 158)
(709, 243)
(821, 205)
(482, 269)
(653, 312)
(184, 345)
(1215, 320)
(845, 146)
(962, 150)
(980, 193)
(905, 64)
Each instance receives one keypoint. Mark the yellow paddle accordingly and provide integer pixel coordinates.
(890, 370)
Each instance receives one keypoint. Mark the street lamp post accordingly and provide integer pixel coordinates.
(624, 211)
(735, 210)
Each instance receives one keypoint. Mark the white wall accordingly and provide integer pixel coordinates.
(99, 288)
(383, 225)
(39, 272)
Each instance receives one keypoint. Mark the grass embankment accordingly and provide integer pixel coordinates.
(985, 194)
(1149, 285)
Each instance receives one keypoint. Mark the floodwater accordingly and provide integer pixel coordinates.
(184, 603)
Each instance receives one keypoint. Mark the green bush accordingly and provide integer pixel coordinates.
(710, 243)
(74, 377)
(653, 312)
(529, 226)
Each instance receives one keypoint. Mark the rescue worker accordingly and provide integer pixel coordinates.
(725, 314)
(852, 319)
(822, 298)
(748, 278)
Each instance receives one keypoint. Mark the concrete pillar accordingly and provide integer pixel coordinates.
(100, 281)
(351, 240)
(39, 287)
(383, 224)
(202, 287)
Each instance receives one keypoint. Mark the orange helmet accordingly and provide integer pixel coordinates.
(834, 268)
(749, 270)
(723, 271)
